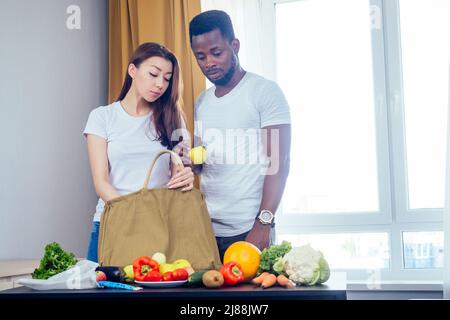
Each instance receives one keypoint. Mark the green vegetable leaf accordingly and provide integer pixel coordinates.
(270, 256)
(324, 270)
(54, 261)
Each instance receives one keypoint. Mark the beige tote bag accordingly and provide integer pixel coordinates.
(173, 222)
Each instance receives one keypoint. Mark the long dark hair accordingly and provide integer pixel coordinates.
(167, 110)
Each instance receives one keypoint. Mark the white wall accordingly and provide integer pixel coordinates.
(51, 78)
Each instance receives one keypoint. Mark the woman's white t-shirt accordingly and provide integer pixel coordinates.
(131, 146)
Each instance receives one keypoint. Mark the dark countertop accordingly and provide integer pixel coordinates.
(333, 289)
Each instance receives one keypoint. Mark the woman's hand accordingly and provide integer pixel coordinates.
(183, 178)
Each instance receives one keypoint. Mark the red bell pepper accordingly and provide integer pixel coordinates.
(142, 266)
(232, 273)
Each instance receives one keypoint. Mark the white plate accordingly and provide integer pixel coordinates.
(161, 284)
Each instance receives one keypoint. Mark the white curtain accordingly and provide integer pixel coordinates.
(447, 210)
(254, 26)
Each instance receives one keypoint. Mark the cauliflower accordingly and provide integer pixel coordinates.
(305, 266)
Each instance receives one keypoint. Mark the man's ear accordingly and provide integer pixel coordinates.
(235, 45)
(132, 70)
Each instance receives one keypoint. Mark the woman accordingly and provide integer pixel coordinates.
(125, 136)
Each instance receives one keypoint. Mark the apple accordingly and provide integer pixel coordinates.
(181, 263)
(189, 270)
(100, 276)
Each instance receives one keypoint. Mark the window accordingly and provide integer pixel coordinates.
(367, 82)
(425, 34)
(423, 250)
(328, 78)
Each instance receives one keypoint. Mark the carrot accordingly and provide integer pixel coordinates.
(259, 279)
(285, 281)
(269, 281)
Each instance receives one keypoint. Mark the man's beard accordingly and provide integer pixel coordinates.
(227, 77)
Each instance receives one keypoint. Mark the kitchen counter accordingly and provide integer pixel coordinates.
(333, 289)
(11, 271)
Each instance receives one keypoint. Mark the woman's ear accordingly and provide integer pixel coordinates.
(235, 45)
(132, 70)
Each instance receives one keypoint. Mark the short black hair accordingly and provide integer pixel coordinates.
(208, 21)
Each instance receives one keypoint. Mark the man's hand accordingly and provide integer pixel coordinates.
(259, 235)
(182, 149)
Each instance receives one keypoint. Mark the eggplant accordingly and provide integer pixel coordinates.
(113, 274)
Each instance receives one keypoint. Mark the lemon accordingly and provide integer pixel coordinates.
(129, 273)
(198, 155)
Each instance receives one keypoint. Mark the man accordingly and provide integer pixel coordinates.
(242, 196)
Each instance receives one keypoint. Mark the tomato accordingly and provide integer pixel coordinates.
(153, 276)
(247, 255)
(168, 276)
(180, 274)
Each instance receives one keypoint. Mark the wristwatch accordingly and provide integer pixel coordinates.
(266, 217)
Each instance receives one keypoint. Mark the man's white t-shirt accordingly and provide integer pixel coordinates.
(132, 146)
(229, 127)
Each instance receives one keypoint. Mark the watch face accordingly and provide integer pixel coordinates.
(266, 216)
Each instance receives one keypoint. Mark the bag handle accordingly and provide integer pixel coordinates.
(176, 161)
